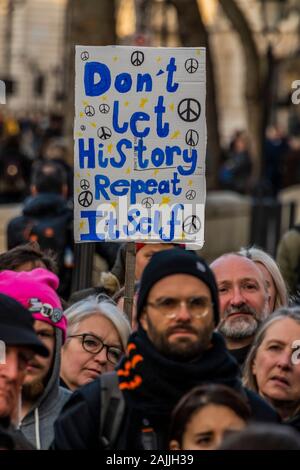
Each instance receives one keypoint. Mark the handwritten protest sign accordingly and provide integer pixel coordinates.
(140, 143)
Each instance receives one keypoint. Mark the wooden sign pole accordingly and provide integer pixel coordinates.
(129, 279)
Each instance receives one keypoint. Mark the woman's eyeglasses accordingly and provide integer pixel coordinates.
(93, 344)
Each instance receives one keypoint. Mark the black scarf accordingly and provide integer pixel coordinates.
(153, 383)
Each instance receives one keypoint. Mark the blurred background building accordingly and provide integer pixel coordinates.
(32, 52)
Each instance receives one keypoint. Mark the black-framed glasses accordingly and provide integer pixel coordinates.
(93, 344)
(197, 306)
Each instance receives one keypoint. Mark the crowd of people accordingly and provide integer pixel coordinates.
(209, 357)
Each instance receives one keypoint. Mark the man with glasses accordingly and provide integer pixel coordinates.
(174, 349)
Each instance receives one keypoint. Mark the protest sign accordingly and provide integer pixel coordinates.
(140, 143)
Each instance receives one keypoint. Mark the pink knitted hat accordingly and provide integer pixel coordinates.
(36, 291)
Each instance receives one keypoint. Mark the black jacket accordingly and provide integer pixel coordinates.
(78, 426)
(39, 207)
(12, 438)
(41, 213)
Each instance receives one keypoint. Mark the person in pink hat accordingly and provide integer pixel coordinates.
(42, 397)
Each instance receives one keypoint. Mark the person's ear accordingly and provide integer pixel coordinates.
(144, 320)
(33, 190)
(64, 191)
(174, 445)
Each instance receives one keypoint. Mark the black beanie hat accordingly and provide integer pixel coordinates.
(16, 326)
(175, 261)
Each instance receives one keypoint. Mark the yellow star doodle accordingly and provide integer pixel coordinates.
(104, 98)
(109, 148)
(85, 103)
(81, 224)
(190, 183)
(175, 135)
(158, 59)
(155, 172)
(128, 171)
(93, 124)
(115, 58)
(143, 102)
(81, 114)
(171, 107)
(165, 200)
(126, 103)
(114, 204)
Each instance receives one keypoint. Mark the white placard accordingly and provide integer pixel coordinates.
(140, 144)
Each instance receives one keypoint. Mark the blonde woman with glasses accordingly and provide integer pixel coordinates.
(96, 340)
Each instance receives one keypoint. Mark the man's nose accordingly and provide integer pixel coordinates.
(237, 297)
(183, 313)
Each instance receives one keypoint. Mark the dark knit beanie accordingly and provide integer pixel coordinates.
(174, 261)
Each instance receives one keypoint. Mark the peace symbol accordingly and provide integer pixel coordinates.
(83, 128)
(85, 198)
(190, 195)
(191, 224)
(85, 55)
(84, 184)
(189, 110)
(104, 108)
(89, 110)
(191, 65)
(137, 58)
(192, 137)
(148, 202)
(104, 133)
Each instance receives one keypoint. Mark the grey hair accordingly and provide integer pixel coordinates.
(249, 378)
(98, 305)
(260, 256)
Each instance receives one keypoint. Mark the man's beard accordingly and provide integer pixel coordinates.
(185, 348)
(33, 390)
(241, 327)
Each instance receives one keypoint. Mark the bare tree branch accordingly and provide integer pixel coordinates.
(193, 33)
(253, 80)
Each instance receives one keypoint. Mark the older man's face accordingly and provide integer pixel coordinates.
(243, 296)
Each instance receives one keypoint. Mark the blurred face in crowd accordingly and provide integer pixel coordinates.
(92, 349)
(276, 371)
(39, 367)
(178, 316)
(30, 265)
(12, 375)
(144, 255)
(207, 428)
(269, 283)
(244, 300)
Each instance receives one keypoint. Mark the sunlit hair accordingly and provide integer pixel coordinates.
(260, 256)
(98, 305)
(249, 378)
